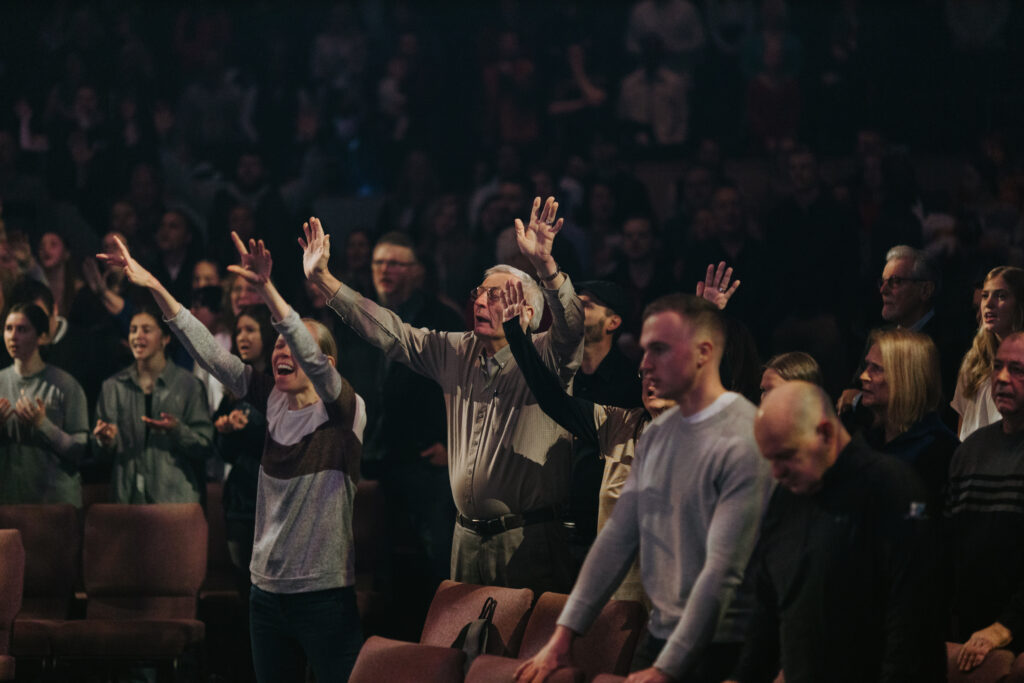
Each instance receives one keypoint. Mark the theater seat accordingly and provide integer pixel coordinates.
(142, 567)
(383, 659)
(607, 647)
(1016, 671)
(994, 669)
(51, 535)
(12, 579)
(456, 604)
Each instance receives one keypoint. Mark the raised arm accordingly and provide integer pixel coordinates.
(256, 265)
(535, 240)
(425, 351)
(201, 345)
(574, 414)
(715, 287)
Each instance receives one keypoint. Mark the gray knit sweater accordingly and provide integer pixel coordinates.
(692, 508)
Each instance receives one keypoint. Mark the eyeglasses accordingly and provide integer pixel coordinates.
(492, 293)
(895, 282)
(389, 263)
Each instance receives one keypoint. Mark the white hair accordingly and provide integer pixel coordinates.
(920, 267)
(531, 290)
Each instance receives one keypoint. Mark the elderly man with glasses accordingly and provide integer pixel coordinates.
(508, 462)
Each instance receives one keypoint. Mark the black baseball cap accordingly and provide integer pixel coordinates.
(608, 294)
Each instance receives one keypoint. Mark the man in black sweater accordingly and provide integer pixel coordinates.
(985, 519)
(845, 569)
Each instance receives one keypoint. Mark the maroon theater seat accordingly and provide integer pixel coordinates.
(995, 668)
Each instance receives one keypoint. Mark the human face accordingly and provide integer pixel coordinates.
(357, 250)
(595, 317)
(173, 234)
(728, 212)
(392, 268)
(637, 239)
(803, 171)
(769, 380)
(904, 300)
(1008, 379)
(205, 274)
(672, 355)
(798, 461)
(998, 307)
(248, 339)
(52, 252)
(145, 338)
(241, 294)
(288, 376)
(874, 388)
(20, 338)
(123, 218)
(482, 306)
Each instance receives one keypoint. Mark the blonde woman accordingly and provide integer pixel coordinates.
(901, 386)
(1001, 313)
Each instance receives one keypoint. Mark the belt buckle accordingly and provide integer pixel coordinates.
(493, 526)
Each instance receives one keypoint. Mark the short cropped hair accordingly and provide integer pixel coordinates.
(398, 238)
(796, 365)
(700, 312)
(531, 290)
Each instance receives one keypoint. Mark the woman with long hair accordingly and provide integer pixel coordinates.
(44, 421)
(302, 603)
(901, 387)
(241, 428)
(1001, 312)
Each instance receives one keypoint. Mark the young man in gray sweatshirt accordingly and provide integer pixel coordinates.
(691, 509)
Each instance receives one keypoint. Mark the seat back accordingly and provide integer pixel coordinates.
(606, 647)
(144, 560)
(456, 604)
(51, 535)
(12, 579)
(994, 669)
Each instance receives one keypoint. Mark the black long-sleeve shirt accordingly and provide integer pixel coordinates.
(846, 580)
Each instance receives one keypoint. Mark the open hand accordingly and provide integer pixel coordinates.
(716, 287)
(105, 433)
(135, 273)
(166, 423)
(650, 675)
(256, 262)
(535, 239)
(980, 643)
(316, 249)
(234, 421)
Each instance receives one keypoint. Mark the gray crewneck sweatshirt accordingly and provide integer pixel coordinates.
(692, 508)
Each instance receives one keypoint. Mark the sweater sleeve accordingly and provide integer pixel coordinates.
(561, 347)
(68, 439)
(574, 414)
(732, 534)
(330, 386)
(203, 347)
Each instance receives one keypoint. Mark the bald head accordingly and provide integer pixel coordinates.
(799, 434)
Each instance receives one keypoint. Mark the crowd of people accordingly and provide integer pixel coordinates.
(528, 375)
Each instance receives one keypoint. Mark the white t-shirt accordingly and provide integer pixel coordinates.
(976, 412)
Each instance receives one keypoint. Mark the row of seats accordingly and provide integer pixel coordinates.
(141, 570)
(518, 630)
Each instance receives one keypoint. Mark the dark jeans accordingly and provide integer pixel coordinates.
(713, 665)
(289, 629)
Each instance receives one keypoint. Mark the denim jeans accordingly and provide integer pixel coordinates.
(290, 629)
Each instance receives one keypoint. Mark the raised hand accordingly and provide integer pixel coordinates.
(166, 423)
(508, 305)
(234, 421)
(135, 273)
(316, 249)
(256, 262)
(30, 412)
(716, 287)
(536, 238)
(105, 433)
(92, 276)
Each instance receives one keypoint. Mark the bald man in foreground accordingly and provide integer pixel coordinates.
(845, 570)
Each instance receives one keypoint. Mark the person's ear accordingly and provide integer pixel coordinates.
(612, 323)
(705, 352)
(526, 316)
(333, 361)
(927, 290)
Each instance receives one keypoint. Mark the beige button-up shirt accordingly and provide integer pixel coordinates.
(504, 454)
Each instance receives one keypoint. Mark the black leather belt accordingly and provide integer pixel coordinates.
(497, 525)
